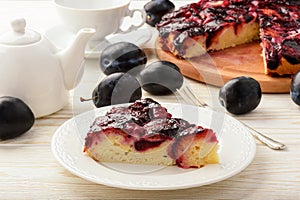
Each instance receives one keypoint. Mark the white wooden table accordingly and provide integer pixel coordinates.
(28, 170)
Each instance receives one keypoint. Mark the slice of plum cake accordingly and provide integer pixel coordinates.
(146, 133)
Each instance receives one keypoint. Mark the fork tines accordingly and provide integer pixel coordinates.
(189, 97)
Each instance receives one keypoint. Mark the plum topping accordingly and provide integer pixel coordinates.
(145, 133)
(278, 20)
(271, 53)
(207, 17)
(279, 23)
(291, 50)
(150, 142)
(141, 110)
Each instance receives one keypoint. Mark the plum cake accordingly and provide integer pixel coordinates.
(211, 25)
(280, 36)
(146, 133)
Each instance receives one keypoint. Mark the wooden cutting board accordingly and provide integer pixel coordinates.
(216, 68)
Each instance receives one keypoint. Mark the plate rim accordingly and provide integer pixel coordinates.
(160, 187)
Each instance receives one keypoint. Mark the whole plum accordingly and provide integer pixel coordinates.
(16, 117)
(161, 77)
(295, 88)
(117, 88)
(155, 9)
(240, 95)
(122, 57)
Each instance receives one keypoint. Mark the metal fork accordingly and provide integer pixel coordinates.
(188, 96)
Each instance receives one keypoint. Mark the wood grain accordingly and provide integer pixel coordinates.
(218, 67)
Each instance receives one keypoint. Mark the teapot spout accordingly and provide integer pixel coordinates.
(72, 58)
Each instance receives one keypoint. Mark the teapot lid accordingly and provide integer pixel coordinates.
(19, 35)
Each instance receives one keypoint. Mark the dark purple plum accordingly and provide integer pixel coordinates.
(16, 118)
(295, 88)
(240, 95)
(117, 88)
(122, 57)
(155, 9)
(161, 78)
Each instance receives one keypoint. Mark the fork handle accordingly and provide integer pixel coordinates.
(273, 144)
(189, 96)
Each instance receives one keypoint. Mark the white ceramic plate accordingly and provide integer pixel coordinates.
(61, 38)
(237, 150)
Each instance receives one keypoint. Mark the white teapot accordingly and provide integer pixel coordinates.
(34, 70)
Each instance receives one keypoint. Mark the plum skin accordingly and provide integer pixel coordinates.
(295, 88)
(156, 9)
(122, 57)
(161, 78)
(116, 88)
(240, 95)
(16, 118)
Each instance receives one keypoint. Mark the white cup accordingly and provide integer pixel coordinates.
(105, 16)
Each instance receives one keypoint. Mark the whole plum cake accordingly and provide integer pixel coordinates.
(211, 25)
(145, 133)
